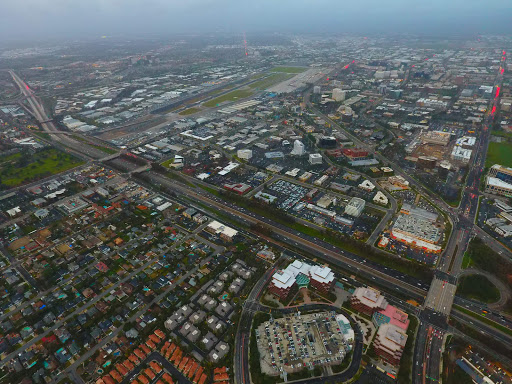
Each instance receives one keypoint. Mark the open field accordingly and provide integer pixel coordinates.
(231, 96)
(288, 69)
(42, 164)
(189, 111)
(499, 153)
(271, 80)
(478, 287)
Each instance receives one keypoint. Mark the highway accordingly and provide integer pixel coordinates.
(37, 109)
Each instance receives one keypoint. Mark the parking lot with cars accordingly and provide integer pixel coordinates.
(301, 342)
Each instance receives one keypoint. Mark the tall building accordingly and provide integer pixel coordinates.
(338, 94)
(298, 148)
(390, 342)
(317, 89)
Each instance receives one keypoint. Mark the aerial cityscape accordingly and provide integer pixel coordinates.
(254, 205)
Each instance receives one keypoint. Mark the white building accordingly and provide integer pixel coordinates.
(355, 207)
(317, 89)
(298, 148)
(461, 154)
(380, 198)
(245, 154)
(367, 185)
(315, 158)
(338, 94)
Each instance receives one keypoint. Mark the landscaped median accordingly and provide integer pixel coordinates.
(484, 319)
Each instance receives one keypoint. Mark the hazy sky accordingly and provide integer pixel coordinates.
(50, 18)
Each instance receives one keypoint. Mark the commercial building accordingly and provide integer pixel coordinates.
(417, 231)
(239, 188)
(299, 274)
(501, 172)
(354, 153)
(380, 198)
(436, 137)
(338, 94)
(367, 300)
(461, 154)
(355, 207)
(298, 148)
(389, 343)
(245, 154)
(224, 232)
(431, 103)
(320, 181)
(315, 158)
(498, 186)
(392, 315)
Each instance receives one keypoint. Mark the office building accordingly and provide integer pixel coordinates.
(389, 343)
(355, 207)
(317, 89)
(301, 275)
(298, 148)
(367, 300)
(461, 154)
(338, 94)
(501, 172)
(244, 154)
(498, 187)
(315, 158)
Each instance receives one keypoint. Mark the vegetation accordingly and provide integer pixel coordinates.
(492, 343)
(484, 319)
(482, 257)
(288, 69)
(478, 287)
(405, 371)
(458, 376)
(230, 96)
(29, 167)
(269, 81)
(499, 153)
(189, 111)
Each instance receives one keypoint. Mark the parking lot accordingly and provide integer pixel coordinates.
(301, 341)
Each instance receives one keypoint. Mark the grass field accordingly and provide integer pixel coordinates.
(189, 111)
(478, 287)
(271, 80)
(499, 153)
(230, 96)
(44, 163)
(288, 69)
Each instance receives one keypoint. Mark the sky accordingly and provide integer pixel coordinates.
(40, 19)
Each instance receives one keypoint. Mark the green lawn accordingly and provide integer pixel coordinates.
(288, 69)
(478, 287)
(167, 163)
(189, 111)
(271, 80)
(36, 166)
(499, 153)
(230, 96)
